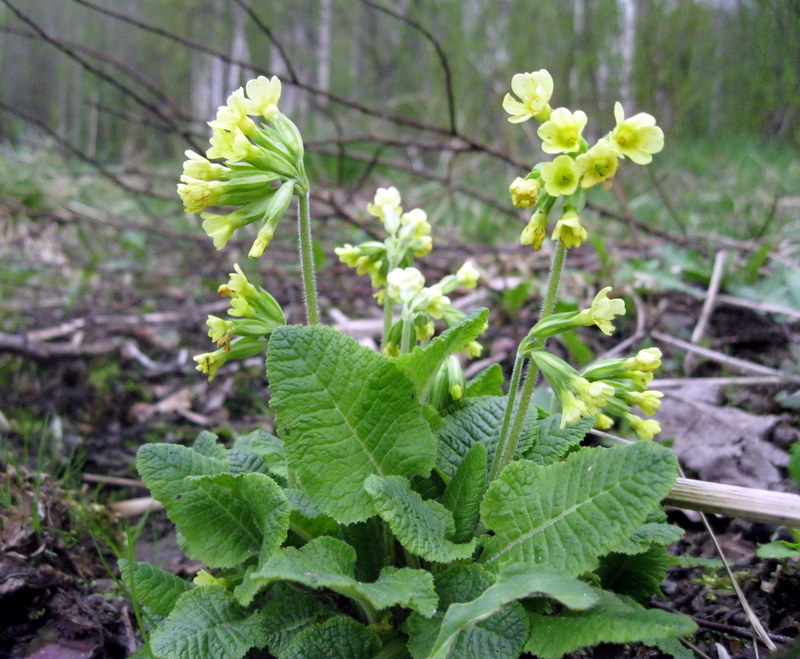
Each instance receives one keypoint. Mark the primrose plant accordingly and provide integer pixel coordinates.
(399, 509)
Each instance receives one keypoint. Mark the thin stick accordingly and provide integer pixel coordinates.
(739, 364)
(689, 360)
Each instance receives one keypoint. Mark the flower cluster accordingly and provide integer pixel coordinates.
(422, 305)
(390, 265)
(261, 170)
(407, 236)
(577, 166)
(606, 389)
(253, 315)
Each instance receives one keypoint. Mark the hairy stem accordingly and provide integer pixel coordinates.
(388, 306)
(507, 443)
(307, 259)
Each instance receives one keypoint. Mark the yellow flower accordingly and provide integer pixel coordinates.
(220, 331)
(263, 95)
(262, 241)
(348, 254)
(646, 360)
(648, 401)
(199, 168)
(468, 275)
(602, 312)
(524, 192)
(560, 176)
(238, 284)
(231, 146)
(473, 349)
(424, 331)
(386, 200)
(644, 429)
(598, 164)
(404, 283)
(535, 231)
(210, 362)
(562, 132)
(534, 91)
(572, 409)
(569, 230)
(603, 422)
(197, 194)
(220, 228)
(636, 137)
(593, 394)
(437, 302)
(234, 115)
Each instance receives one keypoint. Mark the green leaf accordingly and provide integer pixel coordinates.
(646, 535)
(476, 421)
(514, 581)
(327, 562)
(206, 444)
(550, 443)
(305, 520)
(335, 638)
(565, 515)
(613, 620)
(465, 491)
(489, 382)
(422, 363)
(207, 622)
(779, 549)
(639, 576)
(346, 413)
(267, 446)
(249, 514)
(287, 612)
(500, 636)
(794, 462)
(422, 527)
(156, 589)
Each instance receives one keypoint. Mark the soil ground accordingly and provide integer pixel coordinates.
(92, 409)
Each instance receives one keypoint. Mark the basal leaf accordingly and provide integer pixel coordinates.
(612, 620)
(265, 445)
(335, 638)
(489, 382)
(256, 515)
(305, 520)
(346, 413)
(207, 622)
(639, 575)
(422, 526)
(564, 516)
(327, 562)
(287, 612)
(500, 636)
(422, 363)
(648, 534)
(476, 421)
(206, 443)
(465, 491)
(156, 589)
(550, 443)
(514, 582)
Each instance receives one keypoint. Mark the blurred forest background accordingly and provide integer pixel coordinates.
(100, 99)
(105, 283)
